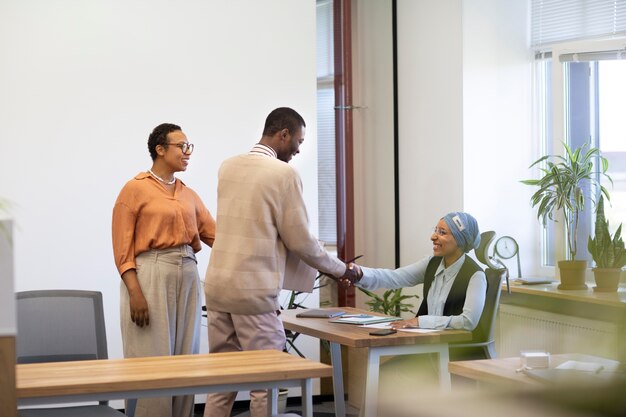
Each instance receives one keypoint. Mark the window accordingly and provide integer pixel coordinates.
(612, 135)
(580, 85)
(593, 113)
(327, 200)
(544, 113)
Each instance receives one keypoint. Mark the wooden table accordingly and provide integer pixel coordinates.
(401, 343)
(504, 370)
(61, 382)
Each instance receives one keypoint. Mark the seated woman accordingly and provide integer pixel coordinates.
(454, 285)
(454, 296)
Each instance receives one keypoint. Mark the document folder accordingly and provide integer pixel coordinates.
(364, 319)
(320, 313)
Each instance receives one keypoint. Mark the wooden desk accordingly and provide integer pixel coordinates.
(401, 343)
(503, 371)
(60, 382)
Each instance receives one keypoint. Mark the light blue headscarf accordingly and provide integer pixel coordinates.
(464, 228)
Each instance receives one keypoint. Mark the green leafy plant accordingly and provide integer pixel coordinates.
(391, 303)
(607, 251)
(562, 184)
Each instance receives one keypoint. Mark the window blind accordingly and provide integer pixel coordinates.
(554, 21)
(327, 194)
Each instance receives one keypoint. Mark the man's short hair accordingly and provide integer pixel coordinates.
(159, 137)
(283, 118)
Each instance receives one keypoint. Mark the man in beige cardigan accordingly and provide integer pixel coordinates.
(261, 219)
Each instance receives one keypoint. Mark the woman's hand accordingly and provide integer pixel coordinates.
(139, 309)
(403, 324)
(138, 305)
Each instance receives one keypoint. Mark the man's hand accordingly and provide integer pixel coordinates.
(351, 276)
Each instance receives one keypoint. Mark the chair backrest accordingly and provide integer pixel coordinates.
(485, 330)
(60, 325)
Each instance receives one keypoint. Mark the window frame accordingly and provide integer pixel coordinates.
(558, 130)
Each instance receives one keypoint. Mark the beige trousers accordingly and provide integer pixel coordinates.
(169, 280)
(236, 332)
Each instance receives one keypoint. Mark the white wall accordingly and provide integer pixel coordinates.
(83, 83)
(465, 124)
(498, 137)
(430, 105)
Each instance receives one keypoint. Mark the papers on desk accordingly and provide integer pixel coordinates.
(377, 326)
(416, 330)
(364, 319)
(388, 326)
(323, 313)
(580, 372)
(581, 366)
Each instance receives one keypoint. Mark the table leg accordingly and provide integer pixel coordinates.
(444, 374)
(272, 401)
(307, 398)
(335, 358)
(369, 406)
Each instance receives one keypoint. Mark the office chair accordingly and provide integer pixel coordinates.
(483, 344)
(62, 325)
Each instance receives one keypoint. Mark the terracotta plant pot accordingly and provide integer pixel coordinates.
(572, 275)
(607, 279)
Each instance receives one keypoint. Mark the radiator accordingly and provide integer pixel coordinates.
(526, 329)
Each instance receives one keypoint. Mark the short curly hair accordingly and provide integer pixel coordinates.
(281, 118)
(159, 137)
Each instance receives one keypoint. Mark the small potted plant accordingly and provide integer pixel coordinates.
(608, 253)
(561, 186)
(391, 303)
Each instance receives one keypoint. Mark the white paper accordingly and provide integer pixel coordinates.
(410, 330)
(581, 366)
(378, 326)
(365, 319)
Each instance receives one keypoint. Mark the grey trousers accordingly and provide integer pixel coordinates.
(235, 332)
(170, 282)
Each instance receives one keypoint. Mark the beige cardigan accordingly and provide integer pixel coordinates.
(260, 217)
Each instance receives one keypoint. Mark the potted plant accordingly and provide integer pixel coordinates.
(608, 253)
(561, 186)
(391, 303)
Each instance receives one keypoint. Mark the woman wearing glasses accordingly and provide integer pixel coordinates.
(454, 285)
(158, 224)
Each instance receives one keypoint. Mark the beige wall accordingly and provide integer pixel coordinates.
(373, 134)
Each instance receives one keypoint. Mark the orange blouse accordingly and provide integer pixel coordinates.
(146, 216)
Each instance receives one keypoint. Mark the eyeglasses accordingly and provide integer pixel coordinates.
(186, 147)
(439, 231)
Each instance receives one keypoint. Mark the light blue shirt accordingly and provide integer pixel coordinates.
(411, 275)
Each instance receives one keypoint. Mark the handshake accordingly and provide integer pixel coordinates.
(352, 275)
